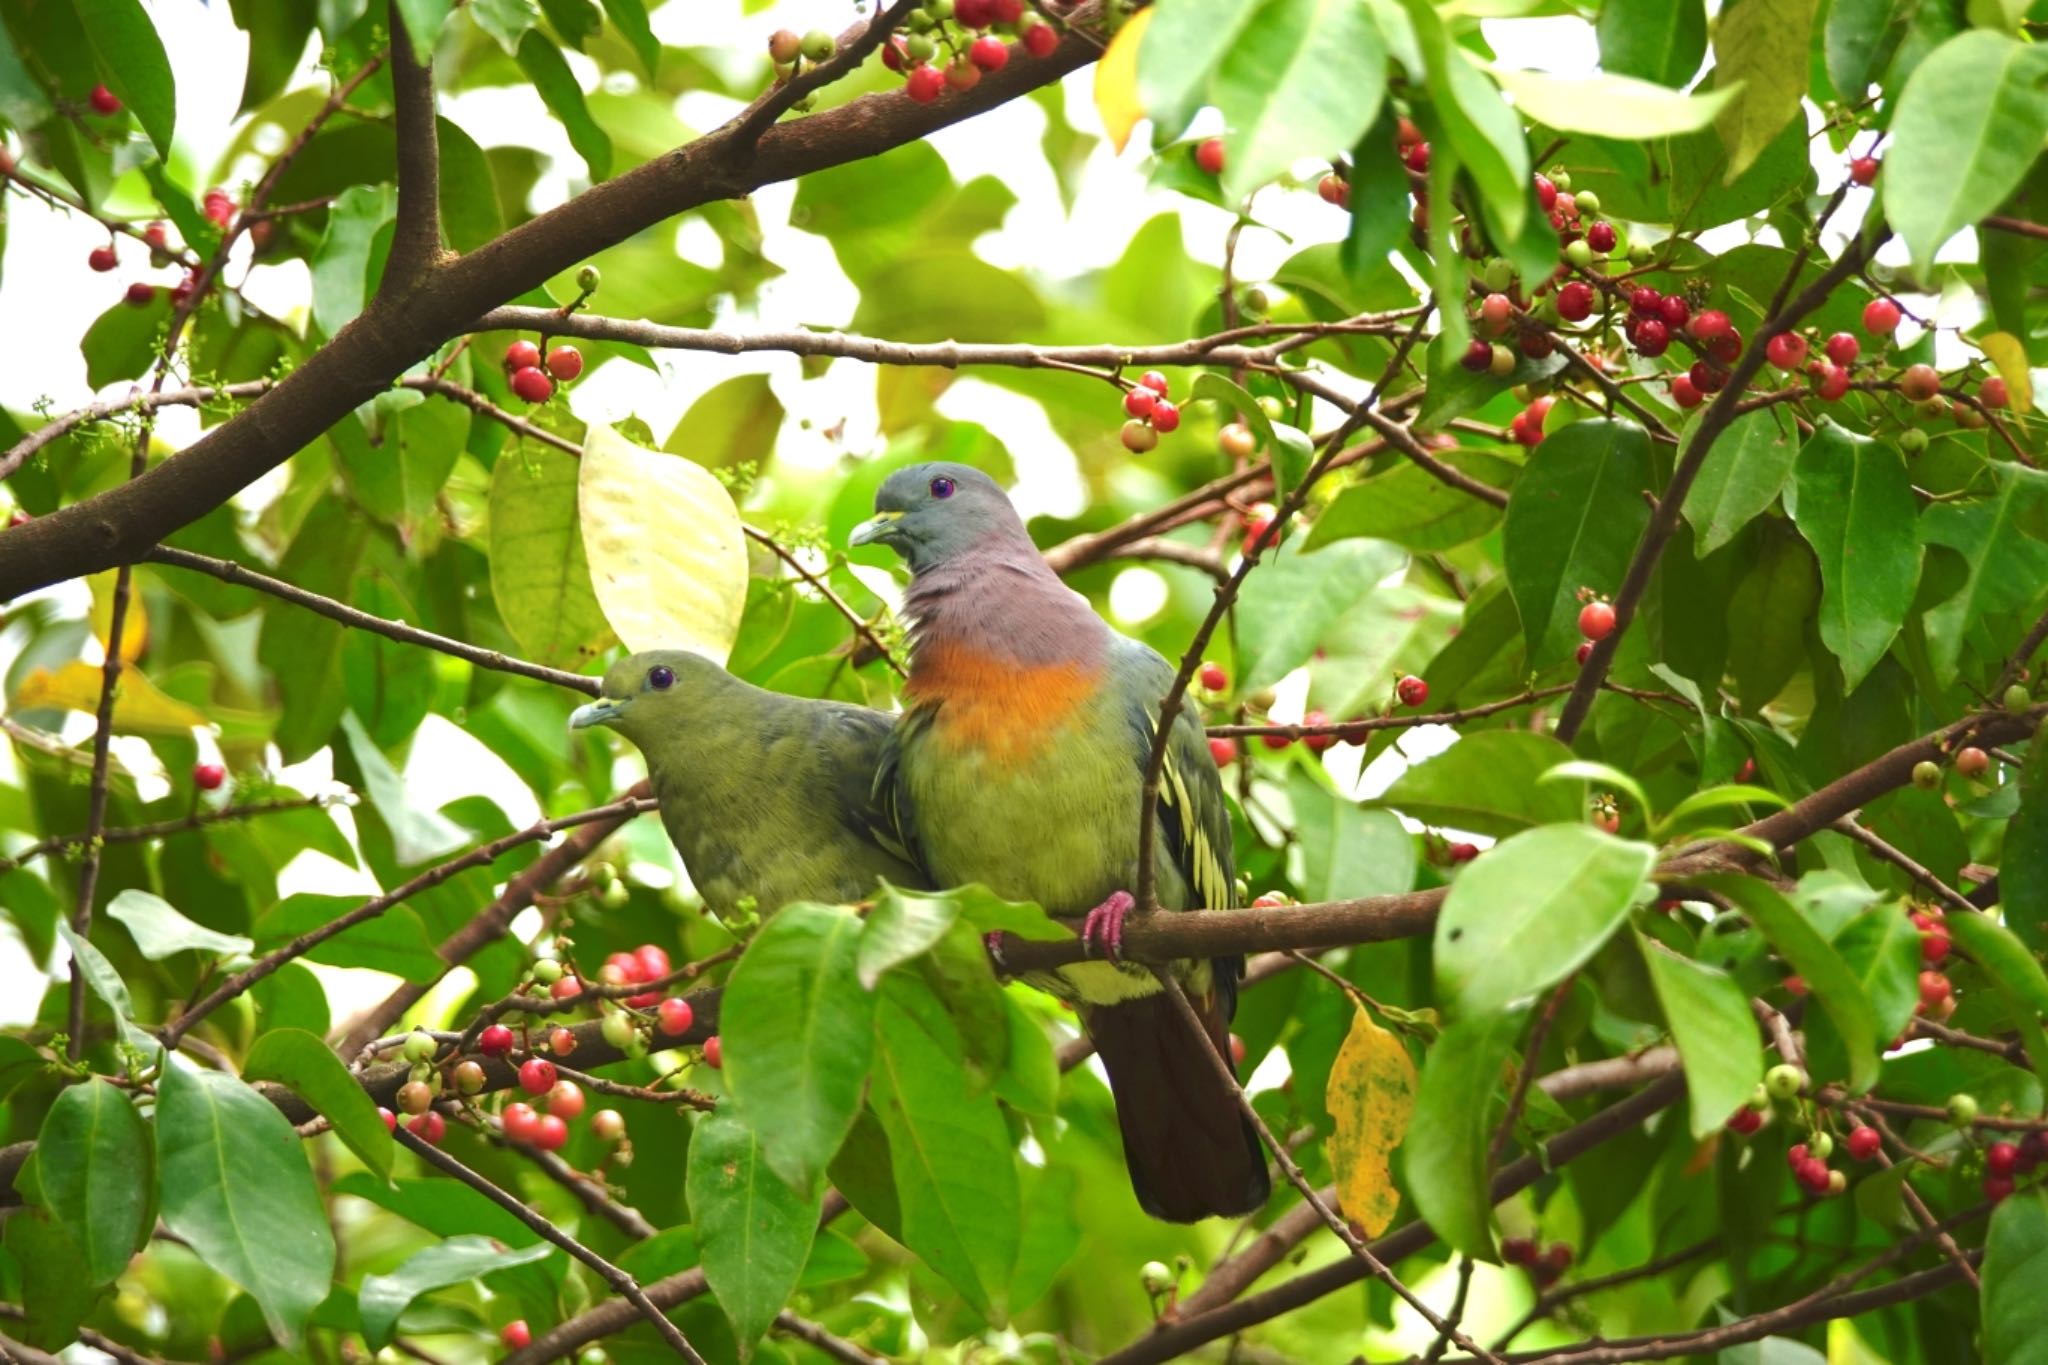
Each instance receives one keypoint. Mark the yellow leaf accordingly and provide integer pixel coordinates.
(1371, 1095)
(668, 559)
(139, 707)
(2009, 354)
(134, 625)
(1116, 81)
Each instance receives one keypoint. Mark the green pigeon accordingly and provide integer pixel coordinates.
(764, 796)
(1018, 764)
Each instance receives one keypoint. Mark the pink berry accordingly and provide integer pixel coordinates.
(495, 1041)
(924, 83)
(1155, 381)
(1920, 382)
(1991, 393)
(1546, 193)
(561, 1041)
(104, 100)
(675, 1016)
(102, 259)
(1040, 39)
(565, 1098)
(536, 1075)
(1165, 417)
(1462, 852)
(520, 1120)
(1209, 155)
(1881, 317)
(1412, 690)
(429, 1128)
(1685, 393)
(1842, 348)
(714, 1053)
(390, 1119)
(1223, 751)
(517, 1335)
(532, 384)
(988, 52)
(1213, 677)
(1786, 350)
(608, 1124)
(549, 1132)
(565, 363)
(208, 776)
(1334, 189)
(521, 355)
(1138, 402)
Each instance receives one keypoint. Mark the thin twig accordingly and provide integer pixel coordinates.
(859, 623)
(132, 834)
(1904, 862)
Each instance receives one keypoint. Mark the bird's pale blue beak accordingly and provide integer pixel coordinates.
(876, 530)
(603, 711)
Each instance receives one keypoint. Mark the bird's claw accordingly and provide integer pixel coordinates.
(1103, 929)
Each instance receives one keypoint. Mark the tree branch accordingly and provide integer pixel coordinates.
(133, 834)
(416, 236)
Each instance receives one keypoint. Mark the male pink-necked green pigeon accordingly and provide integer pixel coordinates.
(1019, 765)
(763, 795)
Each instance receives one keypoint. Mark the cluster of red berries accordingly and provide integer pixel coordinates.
(1152, 414)
(1546, 1265)
(1937, 992)
(1596, 622)
(946, 45)
(529, 380)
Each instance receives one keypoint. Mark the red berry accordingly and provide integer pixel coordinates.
(1653, 338)
(1040, 39)
(652, 960)
(2033, 1149)
(104, 100)
(519, 1119)
(429, 1128)
(1334, 189)
(1009, 11)
(1596, 620)
(517, 1335)
(561, 1041)
(1991, 393)
(1223, 751)
(1518, 1251)
(1863, 170)
(1843, 348)
(564, 988)
(975, 13)
(1997, 1187)
(1675, 311)
(1412, 690)
(1575, 301)
(1934, 947)
(675, 1016)
(714, 1053)
(532, 385)
(925, 83)
(1558, 1258)
(565, 1098)
(1276, 740)
(963, 75)
(1813, 1174)
(1645, 302)
(565, 363)
(390, 1119)
(521, 355)
(1934, 990)
(1726, 347)
(1138, 402)
(1478, 357)
(1796, 984)
(1920, 382)
(1236, 1050)
(1494, 312)
(1546, 192)
(208, 776)
(1584, 651)
(1684, 393)
(1416, 158)
(495, 1041)
(988, 52)
(1165, 417)
(1880, 317)
(1213, 677)
(1710, 324)
(2001, 1158)
(1600, 236)
(1259, 531)
(102, 259)
(1864, 1143)
(141, 294)
(1834, 383)
(1315, 744)
(1209, 155)
(1567, 207)
(1745, 1121)
(1786, 350)
(893, 52)
(1406, 134)
(1462, 852)
(536, 1075)
(1972, 761)
(1797, 1154)
(549, 1132)
(1155, 381)
(1707, 377)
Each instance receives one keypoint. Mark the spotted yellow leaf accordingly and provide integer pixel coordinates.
(2009, 354)
(668, 557)
(139, 707)
(1371, 1095)
(1116, 81)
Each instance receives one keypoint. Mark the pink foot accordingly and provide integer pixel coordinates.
(1104, 926)
(994, 944)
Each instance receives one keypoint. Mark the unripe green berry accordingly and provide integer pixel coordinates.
(1912, 440)
(547, 971)
(1962, 1109)
(424, 1073)
(1274, 409)
(1588, 202)
(1502, 363)
(1927, 775)
(419, 1047)
(818, 46)
(1563, 181)
(1639, 253)
(618, 1029)
(636, 1046)
(1759, 1099)
(939, 9)
(1498, 275)
(917, 21)
(919, 47)
(588, 278)
(1821, 1146)
(1579, 253)
(2017, 698)
(614, 896)
(1156, 1278)
(469, 1078)
(1784, 1081)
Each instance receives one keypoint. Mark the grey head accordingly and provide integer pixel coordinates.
(929, 513)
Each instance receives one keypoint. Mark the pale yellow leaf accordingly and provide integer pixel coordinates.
(668, 558)
(134, 625)
(1610, 106)
(1116, 81)
(139, 707)
(2009, 354)
(1371, 1095)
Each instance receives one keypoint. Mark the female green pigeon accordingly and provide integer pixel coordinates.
(1019, 763)
(764, 796)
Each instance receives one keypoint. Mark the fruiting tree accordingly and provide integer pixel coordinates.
(1597, 516)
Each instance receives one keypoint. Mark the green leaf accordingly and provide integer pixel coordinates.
(753, 1230)
(1481, 128)
(418, 835)
(1533, 909)
(237, 1187)
(1180, 50)
(1883, 949)
(1302, 78)
(1029, 1081)
(1413, 508)
(1855, 507)
(539, 575)
(1573, 521)
(1827, 976)
(423, 21)
(1292, 602)
(106, 983)
(1453, 390)
(1611, 106)
(545, 66)
(20, 1063)
(901, 926)
(95, 1165)
(57, 1289)
(341, 263)
(306, 1066)
(505, 20)
(1606, 775)
(990, 913)
(1740, 478)
(1970, 121)
(735, 422)
(122, 342)
(629, 17)
(1488, 783)
(2014, 972)
(1654, 40)
(949, 1150)
(1714, 1030)
(2023, 874)
(1446, 1174)
(1346, 850)
(130, 59)
(277, 31)
(1763, 44)
(395, 941)
(1999, 538)
(383, 1299)
(159, 930)
(1772, 604)
(798, 1031)
(1860, 38)
(301, 650)
(2015, 1264)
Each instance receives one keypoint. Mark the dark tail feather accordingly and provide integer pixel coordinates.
(1190, 1150)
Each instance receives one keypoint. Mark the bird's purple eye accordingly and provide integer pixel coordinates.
(942, 488)
(661, 677)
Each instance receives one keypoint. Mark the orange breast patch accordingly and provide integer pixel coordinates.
(997, 705)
